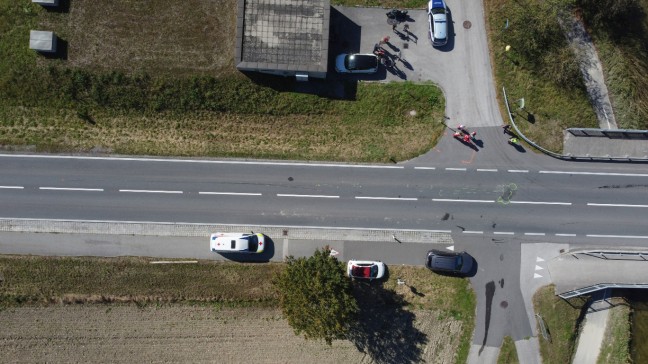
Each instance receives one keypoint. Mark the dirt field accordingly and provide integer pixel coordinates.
(113, 333)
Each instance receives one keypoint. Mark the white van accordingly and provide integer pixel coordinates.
(237, 243)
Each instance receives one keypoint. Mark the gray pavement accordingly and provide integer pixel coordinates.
(462, 68)
(603, 147)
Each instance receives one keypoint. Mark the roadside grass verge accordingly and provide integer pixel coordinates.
(508, 353)
(539, 67)
(615, 348)
(451, 297)
(400, 4)
(563, 323)
(126, 89)
(620, 32)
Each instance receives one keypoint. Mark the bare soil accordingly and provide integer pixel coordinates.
(181, 333)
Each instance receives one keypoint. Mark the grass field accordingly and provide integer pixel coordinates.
(539, 68)
(615, 348)
(158, 79)
(508, 353)
(562, 320)
(435, 313)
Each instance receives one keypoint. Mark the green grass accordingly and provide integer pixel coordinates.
(562, 320)
(133, 95)
(539, 68)
(453, 297)
(615, 348)
(508, 353)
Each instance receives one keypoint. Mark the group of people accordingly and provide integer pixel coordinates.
(513, 140)
(464, 134)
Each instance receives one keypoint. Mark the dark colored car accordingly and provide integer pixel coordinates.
(449, 262)
(356, 63)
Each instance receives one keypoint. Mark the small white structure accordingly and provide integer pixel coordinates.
(46, 2)
(42, 41)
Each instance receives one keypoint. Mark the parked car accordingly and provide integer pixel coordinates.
(438, 22)
(364, 269)
(237, 242)
(449, 262)
(356, 63)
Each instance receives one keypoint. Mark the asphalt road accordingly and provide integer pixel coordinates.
(580, 202)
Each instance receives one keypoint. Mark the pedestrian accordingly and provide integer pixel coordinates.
(394, 27)
(473, 134)
(506, 128)
(466, 138)
(406, 28)
(461, 127)
(457, 135)
(385, 39)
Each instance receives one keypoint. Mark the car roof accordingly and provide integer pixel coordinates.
(437, 4)
(232, 241)
(363, 61)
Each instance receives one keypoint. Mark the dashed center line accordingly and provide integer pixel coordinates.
(597, 173)
(565, 234)
(454, 200)
(13, 187)
(424, 167)
(472, 232)
(151, 191)
(230, 193)
(386, 198)
(307, 196)
(486, 170)
(534, 234)
(617, 236)
(518, 171)
(614, 205)
(455, 169)
(71, 189)
(540, 203)
(503, 233)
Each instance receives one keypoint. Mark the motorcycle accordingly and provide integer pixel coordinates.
(397, 14)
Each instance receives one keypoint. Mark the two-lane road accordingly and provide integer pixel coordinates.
(587, 202)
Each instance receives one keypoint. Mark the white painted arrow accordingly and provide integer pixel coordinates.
(538, 259)
(536, 275)
(451, 247)
(538, 267)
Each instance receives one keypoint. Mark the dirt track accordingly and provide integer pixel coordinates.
(101, 333)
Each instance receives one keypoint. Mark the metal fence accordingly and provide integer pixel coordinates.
(609, 133)
(598, 287)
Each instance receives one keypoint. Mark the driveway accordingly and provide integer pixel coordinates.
(462, 68)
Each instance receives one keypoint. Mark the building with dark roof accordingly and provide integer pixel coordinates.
(283, 37)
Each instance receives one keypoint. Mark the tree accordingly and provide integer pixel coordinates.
(315, 296)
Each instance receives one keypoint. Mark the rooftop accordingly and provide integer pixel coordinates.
(283, 34)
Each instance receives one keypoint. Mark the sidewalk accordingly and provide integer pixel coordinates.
(591, 336)
(602, 147)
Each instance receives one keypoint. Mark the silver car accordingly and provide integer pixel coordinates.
(438, 22)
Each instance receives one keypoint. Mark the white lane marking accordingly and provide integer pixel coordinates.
(131, 159)
(424, 167)
(565, 234)
(536, 275)
(537, 267)
(614, 205)
(230, 193)
(535, 234)
(518, 171)
(453, 200)
(70, 189)
(472, 232)
(311, 196)
(455, 169)
(451, 248)
(540, 203)
(598, 173)
(503, 233)
(486, 170)
(387, 198)
(538, 259)
(13, 187)
(617, 236)
(151, 191)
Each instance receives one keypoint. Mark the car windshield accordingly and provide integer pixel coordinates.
(253, 242)
(459, 262)
(360, 62)
(438, 11)
(374, 271)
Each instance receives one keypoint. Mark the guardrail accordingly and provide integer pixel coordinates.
(609, 133)
(607, 255)
(598, 287)
(584, 132)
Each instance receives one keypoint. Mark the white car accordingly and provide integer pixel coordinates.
(356, 63)
(438, 22)
(365, 269)
(237, 242)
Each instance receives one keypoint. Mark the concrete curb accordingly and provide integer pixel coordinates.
(198, 230)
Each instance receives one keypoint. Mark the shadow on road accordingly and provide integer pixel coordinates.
(385, 330)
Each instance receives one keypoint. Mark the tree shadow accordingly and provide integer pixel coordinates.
(385, 330)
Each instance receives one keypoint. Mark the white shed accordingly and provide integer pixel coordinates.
(42, 41)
